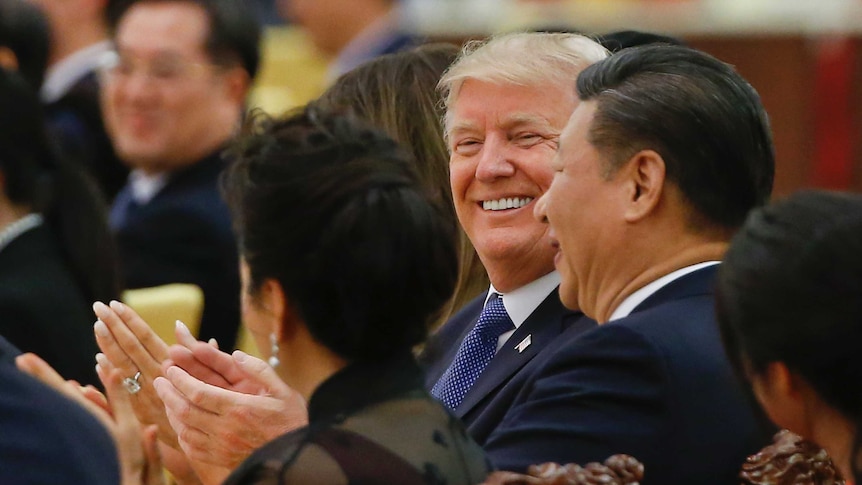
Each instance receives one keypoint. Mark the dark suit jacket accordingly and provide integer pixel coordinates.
(43, 308)
(75, 120)
(46, 438)
(183, 235)
(494, 391)
(655, 385)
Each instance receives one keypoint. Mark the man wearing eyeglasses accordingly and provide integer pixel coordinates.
(174, 93)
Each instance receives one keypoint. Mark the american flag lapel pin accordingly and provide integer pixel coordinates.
(524, 343)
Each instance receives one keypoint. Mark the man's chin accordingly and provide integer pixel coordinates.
(143, 159)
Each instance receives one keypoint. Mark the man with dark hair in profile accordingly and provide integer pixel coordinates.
(173, 98)
(658, 166)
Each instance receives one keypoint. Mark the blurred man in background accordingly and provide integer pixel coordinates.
(173, 99)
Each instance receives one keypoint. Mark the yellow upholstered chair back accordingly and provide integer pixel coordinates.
(162, 306)
(245, 342)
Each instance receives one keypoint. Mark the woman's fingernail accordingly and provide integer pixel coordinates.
(117, 307)
(99, 307)
(101, 329)
(183, 328)
(158, 384)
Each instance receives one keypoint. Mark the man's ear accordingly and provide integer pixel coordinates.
(237, 84)
(644, 176)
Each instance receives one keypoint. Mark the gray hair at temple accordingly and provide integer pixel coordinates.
(521, 59)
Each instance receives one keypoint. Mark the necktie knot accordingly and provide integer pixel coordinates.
(474, 354)
(494, 320)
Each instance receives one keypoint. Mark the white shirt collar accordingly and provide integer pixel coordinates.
(22, 225)
(144, 187)
(521, 303)
(367, 43)
(632, 301)
(64, 74)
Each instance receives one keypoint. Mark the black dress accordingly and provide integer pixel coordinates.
(43, 308)
(370, 424)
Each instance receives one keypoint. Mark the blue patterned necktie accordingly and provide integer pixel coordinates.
(477, 349)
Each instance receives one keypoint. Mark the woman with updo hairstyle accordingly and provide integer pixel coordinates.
(397, 93)
(345, 259)
(790, 309)
(56, 251)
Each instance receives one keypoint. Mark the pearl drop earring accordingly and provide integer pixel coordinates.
(273, 357)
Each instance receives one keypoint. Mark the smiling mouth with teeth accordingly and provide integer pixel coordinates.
(505, 203)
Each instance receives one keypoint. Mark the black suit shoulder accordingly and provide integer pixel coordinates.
(46, 438)
(43, 308)
(655, 385)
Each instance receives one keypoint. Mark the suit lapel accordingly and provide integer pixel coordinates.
(542, 326)
(440, 350)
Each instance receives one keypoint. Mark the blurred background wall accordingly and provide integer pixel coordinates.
(803, 56)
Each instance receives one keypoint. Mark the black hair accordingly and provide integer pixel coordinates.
(700, 115)
(334, 211)
(789, 291)
(24, 29)
(36, 176)
(234, 31)
(623, 39)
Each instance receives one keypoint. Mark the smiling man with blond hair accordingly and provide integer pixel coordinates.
(507, 101)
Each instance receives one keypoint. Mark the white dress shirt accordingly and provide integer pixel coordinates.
(144, 187)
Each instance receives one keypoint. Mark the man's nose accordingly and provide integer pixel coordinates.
(495, 160)
(540, 210)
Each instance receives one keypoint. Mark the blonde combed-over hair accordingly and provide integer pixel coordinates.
(520, 59)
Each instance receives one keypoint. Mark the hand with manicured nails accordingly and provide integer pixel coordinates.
(129, 345)
(224, 406)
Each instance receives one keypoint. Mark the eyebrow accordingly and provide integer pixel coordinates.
(526, 119)
(515, 120)
(462, 127)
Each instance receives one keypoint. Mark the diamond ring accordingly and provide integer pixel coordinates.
(131, 383)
